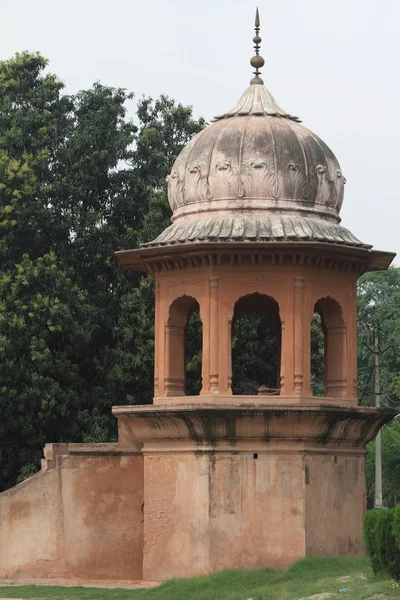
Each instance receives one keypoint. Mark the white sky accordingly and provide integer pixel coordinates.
(335, 64)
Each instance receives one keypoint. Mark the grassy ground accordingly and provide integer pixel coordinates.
(314, 578)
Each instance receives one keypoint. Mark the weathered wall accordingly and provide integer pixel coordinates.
(81, 517)
(207, 511)
(31, 528)
(256, 509)
(176, 515)
(335, 503)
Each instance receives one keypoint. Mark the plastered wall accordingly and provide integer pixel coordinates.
(81, 517)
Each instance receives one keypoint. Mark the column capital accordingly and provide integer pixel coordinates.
(298, 281)
(174, 328)
(214, 281)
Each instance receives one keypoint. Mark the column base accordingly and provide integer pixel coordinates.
(269, 400)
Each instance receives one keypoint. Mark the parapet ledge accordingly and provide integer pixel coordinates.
(53, 452)
(212, 425)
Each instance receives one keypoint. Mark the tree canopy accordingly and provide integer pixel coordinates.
(379, 314)
(78, 180)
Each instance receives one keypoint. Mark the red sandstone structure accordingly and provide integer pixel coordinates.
(201, 483)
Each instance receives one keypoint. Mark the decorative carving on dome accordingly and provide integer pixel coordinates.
(298, 182)
(176, 187)
(340, 193)
(223, 166)
(258, 164)
(240, 188)
(223, 179)
(327, 192)
(197, 186)
(259, 179)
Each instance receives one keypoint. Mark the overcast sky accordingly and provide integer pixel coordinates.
(335, 64)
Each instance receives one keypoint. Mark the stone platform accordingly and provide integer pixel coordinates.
(192, 489)
(248, 486)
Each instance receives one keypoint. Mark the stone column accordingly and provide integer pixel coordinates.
(282, 380)
(174, 360)
(287, 348)
(336, 360)
(351, 345)
(298, 325)
(230, 356)
(214, 331)
(156, 340)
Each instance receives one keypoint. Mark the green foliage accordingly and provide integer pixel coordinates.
(132, 357)
(317, 356)
(78, 180)
(395, 569)
(255, 354)
(390, 464)
(387, 550)
(193, 355)
(370, 539)
(310, 577)
(396, 524)
(34, 121)
(378, 306)
(381, 532)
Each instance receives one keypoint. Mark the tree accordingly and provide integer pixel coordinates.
(47, 326)
(390, 465)
(255, 353)
(378, 308)
(34, 121)
(317, 356)
(378, 314)
(78, 180)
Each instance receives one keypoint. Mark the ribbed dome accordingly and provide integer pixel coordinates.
(256, 174)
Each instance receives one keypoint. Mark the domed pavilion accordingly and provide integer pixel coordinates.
(257, 480)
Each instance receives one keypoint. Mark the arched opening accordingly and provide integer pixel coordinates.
(317, 356)
(256, 345)
(193, 354)
(328, 344)
(183, 346)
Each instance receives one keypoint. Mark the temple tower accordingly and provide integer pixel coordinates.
(258, 480)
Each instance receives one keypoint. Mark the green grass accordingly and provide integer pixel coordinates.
(305, 578)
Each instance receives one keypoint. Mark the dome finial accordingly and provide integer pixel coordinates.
(257, 61)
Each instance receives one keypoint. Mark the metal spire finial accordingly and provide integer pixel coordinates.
(257, 61)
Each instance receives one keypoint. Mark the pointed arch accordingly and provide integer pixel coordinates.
(256, 365)
(176, 343)
(335, 346)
